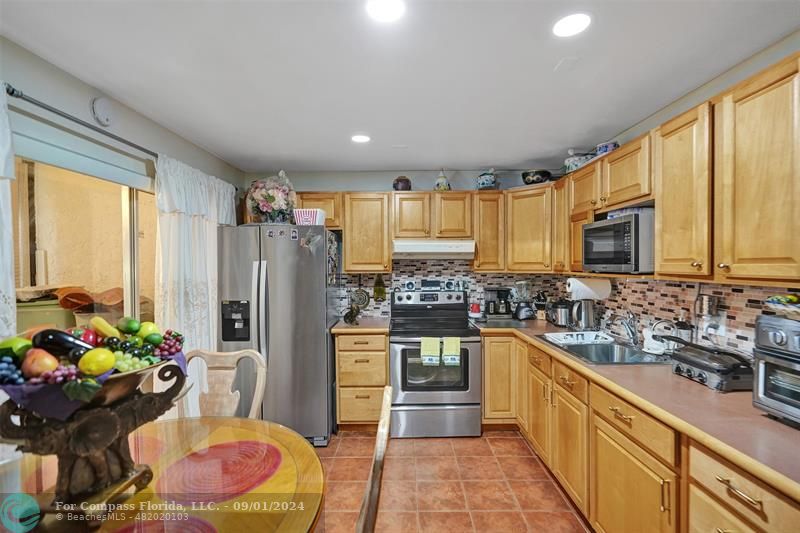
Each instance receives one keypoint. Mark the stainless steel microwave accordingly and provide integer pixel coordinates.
(622, 244)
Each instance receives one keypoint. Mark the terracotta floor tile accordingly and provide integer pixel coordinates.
(350, 469)
(319, 527)
(400, 447)
(340, 522)
(541, 495)
(440, 496)
(498, 521)
(507, 446)
(344, 495)
(548, 522)
(471, 446)
(327, 465)
(437, 468)
(489, 496)
(448, 522)
(501, 433)
(396, 522)
(522, 467)
(432, 447)
(398, 496)
(479, 468)
(330, 449)
(356, 447)
(399, 469)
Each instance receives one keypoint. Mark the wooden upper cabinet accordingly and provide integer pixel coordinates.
(576, 223)
(330, 202)
(561, 228)
(366, 238)
(584, 189)
(682, 179)
(623, 473)
(529, 226)
(626, 173)
(490, 231)
(452, 215)
(411, 215)
(757, 177)
(499, 371)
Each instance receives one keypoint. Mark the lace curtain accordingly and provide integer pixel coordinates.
(190, 205)
(8, 311)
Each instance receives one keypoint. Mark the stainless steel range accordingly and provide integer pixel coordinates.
(434, 397)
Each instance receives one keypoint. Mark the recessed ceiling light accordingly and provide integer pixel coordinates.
(360, 139)
(571, 25)
(386, 10)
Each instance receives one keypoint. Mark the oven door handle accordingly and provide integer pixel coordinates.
(418, 340)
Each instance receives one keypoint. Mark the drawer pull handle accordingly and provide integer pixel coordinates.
(566, 381)
(536, 360)
(697, 264)
(361, 361)
(360, 342)
(746, 497)
(621, 416)
(362, 396)
(664, 495)
(720, 530)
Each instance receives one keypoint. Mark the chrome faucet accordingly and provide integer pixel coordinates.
(629, 323)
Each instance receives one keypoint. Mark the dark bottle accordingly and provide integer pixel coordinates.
(379, 290)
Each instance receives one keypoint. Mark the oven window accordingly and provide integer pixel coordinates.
(782, 384)
(607, 245)
(417, 377)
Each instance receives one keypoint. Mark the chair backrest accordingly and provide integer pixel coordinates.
(369, 505)
(221, 399)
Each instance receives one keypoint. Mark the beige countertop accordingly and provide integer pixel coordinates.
(727, 423)
(365, 325)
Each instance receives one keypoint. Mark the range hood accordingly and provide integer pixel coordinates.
(433, 249)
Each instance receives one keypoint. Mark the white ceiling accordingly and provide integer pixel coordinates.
(455, 84)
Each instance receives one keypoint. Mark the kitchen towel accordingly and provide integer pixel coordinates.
(588, 288)
(451, 352)
(429, 351)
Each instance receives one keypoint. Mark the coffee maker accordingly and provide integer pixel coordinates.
(497, 303)
(583, 316)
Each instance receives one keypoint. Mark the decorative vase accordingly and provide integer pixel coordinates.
(401, 183)
(487, 180)
(272, 199)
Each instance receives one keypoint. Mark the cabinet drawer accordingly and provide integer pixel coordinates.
(571, 381)
(707, 515)
(539, 359)
(750, 497)
(367, 343)
(360, 404)
(654, 435)
(365, 369)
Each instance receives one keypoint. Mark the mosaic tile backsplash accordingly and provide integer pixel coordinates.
(649, 299)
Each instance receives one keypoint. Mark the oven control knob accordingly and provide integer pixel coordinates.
(408, 297)
(449, 296)
(678, 369)
(458, 297)
(777, 337)
(701, 377)
(689, 373)
(399, 297)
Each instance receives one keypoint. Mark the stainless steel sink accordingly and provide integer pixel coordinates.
(614, 354)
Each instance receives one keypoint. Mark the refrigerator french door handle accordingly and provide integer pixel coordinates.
(263, 302)
(255, 291)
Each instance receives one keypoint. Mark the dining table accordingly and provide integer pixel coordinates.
(210, 474)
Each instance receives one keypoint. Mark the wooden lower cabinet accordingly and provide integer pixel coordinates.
(539, 412)
(706, 515)
(570, 442)
(362, 371)
(499, 372)
(631, 491)
(521, 360)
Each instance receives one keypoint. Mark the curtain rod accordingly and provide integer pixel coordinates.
(16, 93)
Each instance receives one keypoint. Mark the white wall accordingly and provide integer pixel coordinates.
(46, 82)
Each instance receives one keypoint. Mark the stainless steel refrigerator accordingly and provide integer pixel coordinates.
(275, 292)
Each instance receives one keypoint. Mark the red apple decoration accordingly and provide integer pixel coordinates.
(37, 362)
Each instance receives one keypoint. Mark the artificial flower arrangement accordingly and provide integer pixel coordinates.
(273, 199)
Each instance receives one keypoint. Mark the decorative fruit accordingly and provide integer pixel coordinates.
(58, 342)
(105, 329)
(126, 362)
(111, 342)
(97, 361)
(87, 335)
(135, 340)
(59, 375)
(75, 354)
(154, 338)
(37, 361)
(124, 346)
(15, 346)
(129, 325)
(172, 344)
(148, 328)
(30, 332)
(10, 374)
